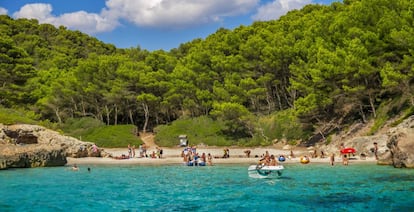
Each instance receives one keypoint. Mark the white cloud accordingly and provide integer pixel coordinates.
(277, 8)
(81, 20)
(3, 11)
(148, 13)
(177, 13)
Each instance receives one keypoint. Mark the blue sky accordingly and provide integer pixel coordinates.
(150, 24)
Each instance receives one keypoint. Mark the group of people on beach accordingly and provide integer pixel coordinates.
(192, 158)
(142, 152)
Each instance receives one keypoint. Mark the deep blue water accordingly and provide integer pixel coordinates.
(311, 187)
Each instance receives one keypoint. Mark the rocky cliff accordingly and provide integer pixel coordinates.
(395, 146)
(24, 146)
(401, 145)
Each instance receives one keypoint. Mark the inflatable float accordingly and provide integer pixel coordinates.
(304, 160)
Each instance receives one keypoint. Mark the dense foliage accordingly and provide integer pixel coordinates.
(326, 65)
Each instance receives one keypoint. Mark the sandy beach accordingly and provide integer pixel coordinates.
(237, 156)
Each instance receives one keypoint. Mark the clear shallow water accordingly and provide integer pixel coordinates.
(217, 188)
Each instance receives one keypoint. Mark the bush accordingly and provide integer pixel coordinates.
(283, 125)
(13, 116)
(93, 130)
(201, 130)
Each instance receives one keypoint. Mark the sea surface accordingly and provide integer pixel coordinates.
(312, 187)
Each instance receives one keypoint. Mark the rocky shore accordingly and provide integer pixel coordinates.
(25, 146)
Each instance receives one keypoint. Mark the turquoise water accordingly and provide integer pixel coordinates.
(216, 188)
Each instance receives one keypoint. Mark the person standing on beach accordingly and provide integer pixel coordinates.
(332, 159)
(129, 151)
(341, 147)
(161, 152)
(376, 150)
(345, 160)
(209, 159)
(94, 148)
(291, 154)
(140, 151)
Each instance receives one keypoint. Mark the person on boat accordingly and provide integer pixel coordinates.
(265, 160)
(273, 161)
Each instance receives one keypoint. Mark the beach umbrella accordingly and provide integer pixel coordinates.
(348, 151)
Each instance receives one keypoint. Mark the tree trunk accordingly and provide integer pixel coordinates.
(57, 115)
(131, 117)
(361, 109)
(83, 108)
(371, 103)
(107, 114)
(146, 115)
(279, 100)
(116, 115)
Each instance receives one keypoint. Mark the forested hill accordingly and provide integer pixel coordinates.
(326, 66)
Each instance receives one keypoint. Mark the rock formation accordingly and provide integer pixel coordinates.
(401, 145)
(24, 146)
(396, 147)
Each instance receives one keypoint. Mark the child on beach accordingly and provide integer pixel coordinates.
(345, 160)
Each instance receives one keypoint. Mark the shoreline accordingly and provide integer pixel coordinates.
(171, 156)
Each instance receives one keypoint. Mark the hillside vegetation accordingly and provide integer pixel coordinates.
(303, 77)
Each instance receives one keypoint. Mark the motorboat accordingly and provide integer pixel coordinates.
(195, 163)
(263, 171)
